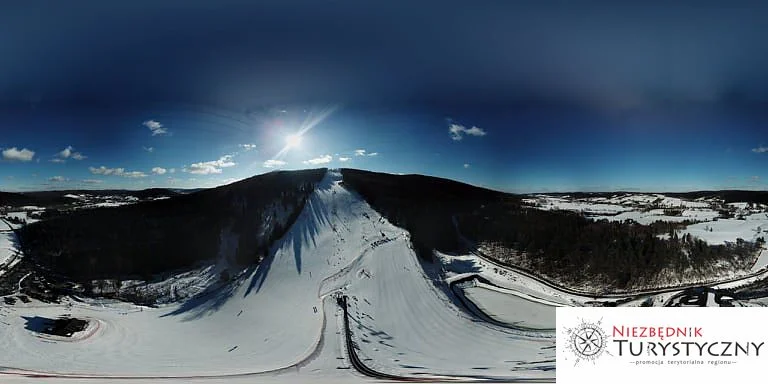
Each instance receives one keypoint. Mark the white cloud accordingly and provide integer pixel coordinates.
(57, 160)
(320, 160)
(14, 154)
(159, 171)
(58, 179)
(64, 154)
(230, 180)
(760, 149)
(92, 181)
(105, 171)
(148, 149)
(248, 147)
(466, 165)
(172, 170)
(273, 163)
(343, 159)
(133, 174)
(67, 153)
(116, 172)
(210, 167)
(362, 152)
(155, 127)
(457, 131)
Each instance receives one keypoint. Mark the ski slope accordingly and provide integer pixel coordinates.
(280, 322)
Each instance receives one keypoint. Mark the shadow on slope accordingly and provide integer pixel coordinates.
(210, 300)
(308, 224)
(313, 216)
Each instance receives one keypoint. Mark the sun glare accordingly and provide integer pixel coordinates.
(293, 141)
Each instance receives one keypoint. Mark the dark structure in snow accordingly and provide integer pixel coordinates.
(63, 326)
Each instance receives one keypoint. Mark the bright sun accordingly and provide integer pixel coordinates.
(293, 141)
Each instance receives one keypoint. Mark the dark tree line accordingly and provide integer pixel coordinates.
(157, 236)
(570, 248)
(561, 245)
(422, 205)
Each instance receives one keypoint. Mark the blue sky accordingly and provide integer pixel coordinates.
(526, 151)
(544, 96)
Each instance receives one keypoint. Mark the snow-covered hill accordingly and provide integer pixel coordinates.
(280, 322)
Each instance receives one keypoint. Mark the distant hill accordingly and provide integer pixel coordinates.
(57, 198)
(424, 205)
(567, 247)
(15, 199)
(729, 196)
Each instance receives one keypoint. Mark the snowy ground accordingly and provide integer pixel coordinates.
(9, 247)
(512, 309)
(648, 208)
(728, 230)
(280, 322)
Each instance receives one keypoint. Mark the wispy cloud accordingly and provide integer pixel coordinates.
(134, 174)
(457, 131)
(248, 147)
(210, 167)
(319, 160)
(343, 159)
(58, 179)
(116, 172)
(92, 181)
(159, 170)
(69, 153)
(155, 127)
(230, 180)
(363, 152)
(760, 149)
(13, 154)
(57, 160)
(466, 165)
(148, 149)
(273, 163)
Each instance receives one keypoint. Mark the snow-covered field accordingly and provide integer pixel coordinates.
(648, 208)
(280, 321)
(728, 230)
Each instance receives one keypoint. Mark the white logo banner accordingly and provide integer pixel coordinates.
(664, 345)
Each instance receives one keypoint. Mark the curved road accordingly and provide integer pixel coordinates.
(614, 295)
(365, 370)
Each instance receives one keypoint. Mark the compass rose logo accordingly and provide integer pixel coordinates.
(586, 341)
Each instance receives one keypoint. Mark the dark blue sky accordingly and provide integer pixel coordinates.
(514, 95)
